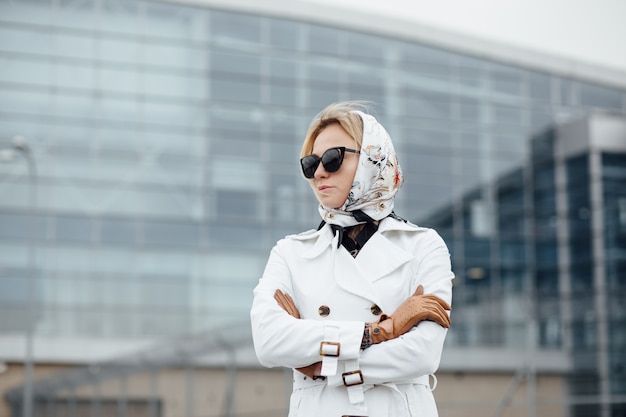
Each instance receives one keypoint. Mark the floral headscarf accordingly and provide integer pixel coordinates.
(377, 180)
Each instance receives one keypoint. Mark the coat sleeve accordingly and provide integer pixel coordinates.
(282, 340)
(418, 352)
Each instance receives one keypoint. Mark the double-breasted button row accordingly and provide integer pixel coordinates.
(324, 310)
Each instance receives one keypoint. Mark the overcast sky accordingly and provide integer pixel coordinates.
(586, 30)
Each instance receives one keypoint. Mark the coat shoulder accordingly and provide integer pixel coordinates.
(409, 233)
(306, 244)
(302, 236)
(391, 224)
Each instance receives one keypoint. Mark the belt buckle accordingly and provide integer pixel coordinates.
(325, 352)
(346, 375)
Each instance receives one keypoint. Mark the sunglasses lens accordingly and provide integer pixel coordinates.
(309, 165)
(332, 159)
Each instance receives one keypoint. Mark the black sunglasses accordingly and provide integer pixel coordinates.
(331, 160)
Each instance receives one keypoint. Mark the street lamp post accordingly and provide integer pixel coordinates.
(19, 145)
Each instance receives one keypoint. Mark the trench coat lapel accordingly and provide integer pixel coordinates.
(351, 278)
(378, 258)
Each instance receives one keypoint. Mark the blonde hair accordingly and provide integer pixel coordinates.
(341, 113)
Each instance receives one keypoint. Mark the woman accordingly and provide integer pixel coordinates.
(344, 305)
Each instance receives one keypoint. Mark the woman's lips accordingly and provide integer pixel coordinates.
(323, 188)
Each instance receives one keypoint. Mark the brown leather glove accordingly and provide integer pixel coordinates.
(285, 301)
(416, 308)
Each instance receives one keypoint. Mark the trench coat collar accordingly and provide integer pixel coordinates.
(378, 258)
(324, 236)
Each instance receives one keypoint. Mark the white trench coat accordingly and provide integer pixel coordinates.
(335, 295)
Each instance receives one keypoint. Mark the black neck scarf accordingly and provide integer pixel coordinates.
(354, 246)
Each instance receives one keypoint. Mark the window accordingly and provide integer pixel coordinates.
(236, 91)
(170, 233)
(505, 80)
(324, 41)
(428, 105)
(365, 47)
(621, 210)
(73, 229)
(235, 29)
(231, 203)
(539, 86)
(598, 96)
(481, 218)
(234, 63)
(284, 34)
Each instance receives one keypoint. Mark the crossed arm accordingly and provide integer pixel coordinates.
(283, 339)
(415, 309)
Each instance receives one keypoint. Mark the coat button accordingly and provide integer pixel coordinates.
(375, 310)
(324, 311)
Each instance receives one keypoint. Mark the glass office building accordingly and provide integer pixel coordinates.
(155, 163)
(556, 236)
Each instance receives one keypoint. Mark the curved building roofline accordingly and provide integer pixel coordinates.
(418, 32)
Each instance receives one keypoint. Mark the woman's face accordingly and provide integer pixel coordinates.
(332, 188)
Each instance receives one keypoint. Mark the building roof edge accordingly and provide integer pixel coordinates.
(419, 32)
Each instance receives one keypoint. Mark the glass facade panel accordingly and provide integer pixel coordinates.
(234, 29)
(324, 40)
(171, 85)
(285, 35)
(236, 91)
(80, 14)
(118, 231)
(14, 39)
(112, 49)
(428, 105)
(173, 55)
(282, 68)
(122, 16)
(283, 94)
(171, 234)
(226, 63)
(505, 81)
(21, 228)
(540, 86)
(367, 48)
(169, 21)
(73, 229)
(600, 96)
(236, 204)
